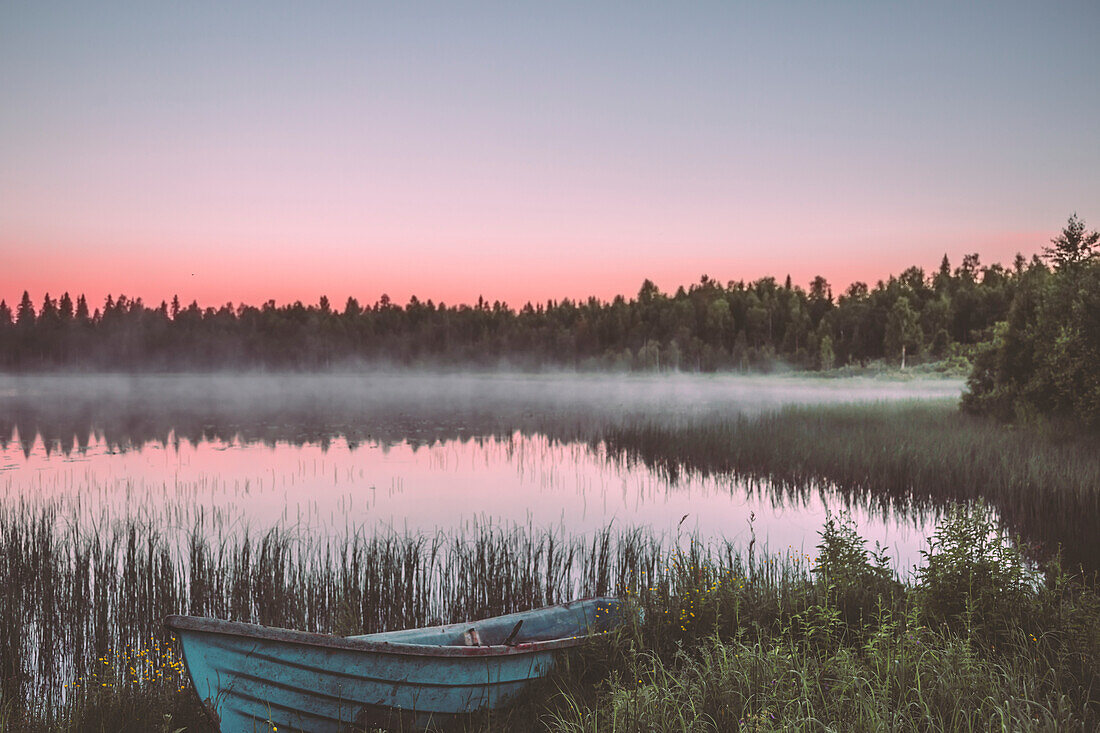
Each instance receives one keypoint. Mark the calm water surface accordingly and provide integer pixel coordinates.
(338, 454)
(450, 485)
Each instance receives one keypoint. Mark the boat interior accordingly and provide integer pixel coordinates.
(579, 618)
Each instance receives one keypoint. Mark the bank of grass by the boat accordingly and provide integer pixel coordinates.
(979, 639)
(720, 641)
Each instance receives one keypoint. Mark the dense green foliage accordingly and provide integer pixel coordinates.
(1044, 359)
(706, 327)
(977, 642)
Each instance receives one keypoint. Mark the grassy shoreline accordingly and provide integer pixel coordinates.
(722, 637)
(975, 642)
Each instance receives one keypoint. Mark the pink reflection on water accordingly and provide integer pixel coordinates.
(448, 486)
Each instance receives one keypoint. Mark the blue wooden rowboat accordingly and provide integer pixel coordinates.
(256, 678)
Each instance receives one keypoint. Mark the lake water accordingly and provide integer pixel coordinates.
(337, 455)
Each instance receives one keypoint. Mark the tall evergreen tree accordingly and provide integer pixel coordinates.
(1074, 246)
(24, 315)
(81, 309)
(48, 313)
(65, 307)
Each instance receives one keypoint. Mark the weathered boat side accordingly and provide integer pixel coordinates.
(256, 677)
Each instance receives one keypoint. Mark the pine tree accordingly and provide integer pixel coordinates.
(1074, 246)
(49, 312)
(81, 309)
(24, 315)
(65, 307)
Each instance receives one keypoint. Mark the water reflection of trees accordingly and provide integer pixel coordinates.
(65, 428)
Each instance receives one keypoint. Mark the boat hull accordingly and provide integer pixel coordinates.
(256, 678)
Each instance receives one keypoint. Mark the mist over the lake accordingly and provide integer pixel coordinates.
(131, 410)
(607, 394)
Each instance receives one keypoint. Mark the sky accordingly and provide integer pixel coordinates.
(524, 151)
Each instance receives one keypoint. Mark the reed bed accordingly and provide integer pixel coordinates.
(78, 599)
(723, 637)
(904, 456)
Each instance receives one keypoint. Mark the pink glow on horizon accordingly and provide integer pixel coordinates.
(535, 273)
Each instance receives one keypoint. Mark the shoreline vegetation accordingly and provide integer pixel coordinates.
(723, 638)
(958, 367)
(905, 456)
(987, 631)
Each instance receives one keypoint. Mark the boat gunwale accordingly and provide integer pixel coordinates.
(365, 644)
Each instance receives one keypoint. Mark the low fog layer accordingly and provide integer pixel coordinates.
(407, 406)
(597, 391)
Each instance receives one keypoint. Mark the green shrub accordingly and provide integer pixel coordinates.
(856, 580)
(974, 578)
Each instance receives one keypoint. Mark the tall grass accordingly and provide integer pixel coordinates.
(847, 647)
(723, 638)
(80, 605)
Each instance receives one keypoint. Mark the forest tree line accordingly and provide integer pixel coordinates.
(709, 326)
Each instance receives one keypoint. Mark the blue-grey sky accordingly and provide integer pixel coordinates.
(245, 151)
